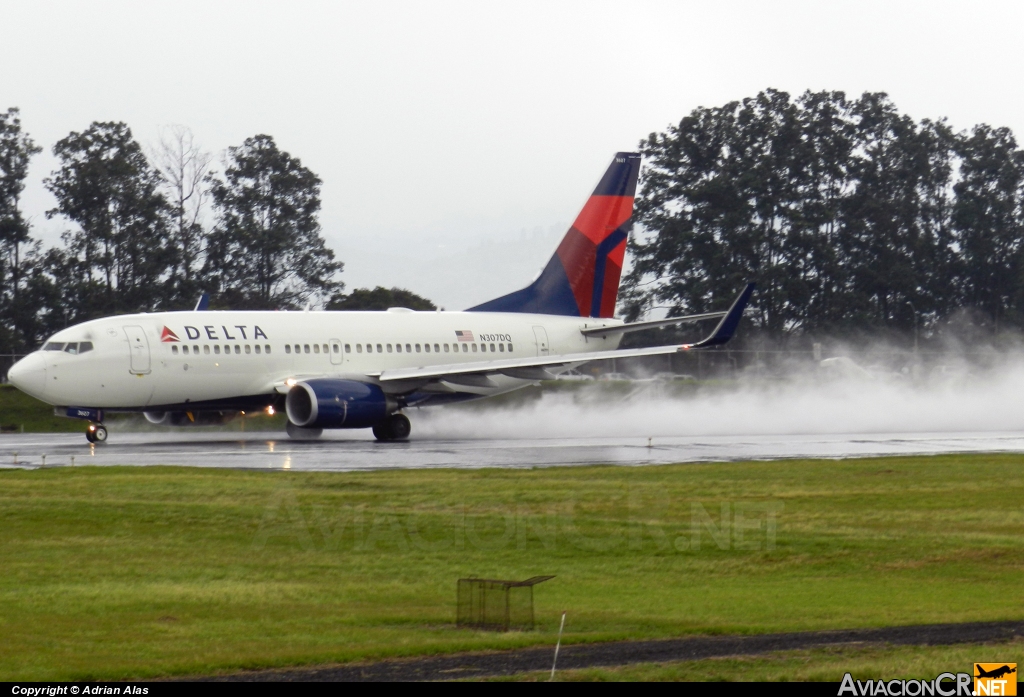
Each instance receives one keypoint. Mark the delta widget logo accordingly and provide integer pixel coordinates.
(167, 336)
(995, 679)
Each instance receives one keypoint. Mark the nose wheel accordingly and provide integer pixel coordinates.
(96, 433)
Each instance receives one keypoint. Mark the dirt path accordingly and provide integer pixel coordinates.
(468, 665)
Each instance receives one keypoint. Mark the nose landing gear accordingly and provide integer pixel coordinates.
(96, 433)
(395, 427)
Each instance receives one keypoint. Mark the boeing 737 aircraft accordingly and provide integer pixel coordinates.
(359, 369)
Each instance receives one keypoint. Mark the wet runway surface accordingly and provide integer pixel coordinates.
(348, 451)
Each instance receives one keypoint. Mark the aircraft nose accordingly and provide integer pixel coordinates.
(29, 374)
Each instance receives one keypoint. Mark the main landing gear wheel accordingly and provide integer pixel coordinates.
(96, 433)
(299, 433)
(395, 427)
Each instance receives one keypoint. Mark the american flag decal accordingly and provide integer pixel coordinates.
(463, 335)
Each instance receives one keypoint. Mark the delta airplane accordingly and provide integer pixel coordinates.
(359, 369)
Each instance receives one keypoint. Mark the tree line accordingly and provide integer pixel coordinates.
(153, 229)
(852, 217)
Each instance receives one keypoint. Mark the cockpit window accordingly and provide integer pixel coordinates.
(74, 347)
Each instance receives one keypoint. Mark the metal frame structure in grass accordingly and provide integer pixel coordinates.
(495, 604)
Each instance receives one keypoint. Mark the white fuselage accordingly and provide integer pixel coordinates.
(149, 361)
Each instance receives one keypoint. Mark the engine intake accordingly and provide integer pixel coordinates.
(332, 403)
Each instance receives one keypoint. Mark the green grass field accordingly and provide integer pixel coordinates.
(137, 572)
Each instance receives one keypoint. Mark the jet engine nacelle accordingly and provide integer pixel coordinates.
(185, 418)
(333, 403)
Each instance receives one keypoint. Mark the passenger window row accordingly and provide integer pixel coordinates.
(398, 348)
(425, 348)
(74, 348)
(305, 348)
(467, 347)
(217, 350)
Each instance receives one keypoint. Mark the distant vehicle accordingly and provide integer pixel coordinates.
(614, 377)
(674, 377)
(352, 369)
(844, 367)
(576, 375)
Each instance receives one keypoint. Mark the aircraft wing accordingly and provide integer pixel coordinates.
(534, 367)
(527, 368)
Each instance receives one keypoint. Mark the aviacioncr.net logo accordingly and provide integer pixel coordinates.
(995, 679)
(944, 685)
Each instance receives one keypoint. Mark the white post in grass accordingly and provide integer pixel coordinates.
(557, 645)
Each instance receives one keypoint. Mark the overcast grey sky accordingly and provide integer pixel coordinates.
(457, 140)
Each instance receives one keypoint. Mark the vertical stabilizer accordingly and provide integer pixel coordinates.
(582, 278)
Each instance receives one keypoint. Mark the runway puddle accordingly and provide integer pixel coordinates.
(335, 453)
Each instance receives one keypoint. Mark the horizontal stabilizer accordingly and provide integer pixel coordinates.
(652, 324)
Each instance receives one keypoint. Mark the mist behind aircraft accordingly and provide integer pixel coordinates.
(946, 398)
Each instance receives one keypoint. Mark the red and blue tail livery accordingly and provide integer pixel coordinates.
(582, 278)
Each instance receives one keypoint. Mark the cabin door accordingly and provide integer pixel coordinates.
(138, 344)
(540, 337)
(337, 352)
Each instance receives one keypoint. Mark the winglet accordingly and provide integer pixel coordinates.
(203, 304)
(727, 327)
